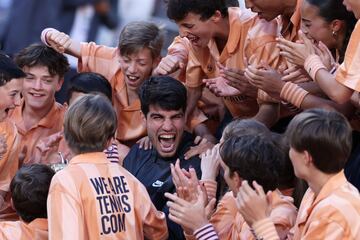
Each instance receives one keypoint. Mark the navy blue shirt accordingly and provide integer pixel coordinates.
(154, 172)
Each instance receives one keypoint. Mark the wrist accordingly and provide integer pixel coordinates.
(44, 34)
(313, 64)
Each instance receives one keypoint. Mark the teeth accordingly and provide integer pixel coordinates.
(132, 77)
(167, 136)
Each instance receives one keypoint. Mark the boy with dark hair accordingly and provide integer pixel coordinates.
(10, 89)
(39, 115)
(244, 144)
(53, 149)
(163, 103)
(93, 198)
(126, 67)
(320, 143)
(29, 189)
(237, 40)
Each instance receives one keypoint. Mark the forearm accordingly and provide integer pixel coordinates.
(332, 88)
(194, 95)
(268, 114)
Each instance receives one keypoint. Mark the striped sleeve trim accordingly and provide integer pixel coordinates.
(207, 232)
(313, 64)
(293, 94)
(265, 230)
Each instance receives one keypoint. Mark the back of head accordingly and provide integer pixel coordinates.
(240, 127)
(286, 170)
(8, 70)
(89, 82)
(29, 189)
(89, 124)
(252, 157)
(138, 35)
(326, 135)
(41, 55)
(177, 10)
(163, 91)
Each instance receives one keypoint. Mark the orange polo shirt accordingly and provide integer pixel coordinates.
(48, 125)
(19, 230)
(105, 60)
(250, 41)
(9, 163)
(92, 198)
(333, 214)
(229, 224)
(348, 73)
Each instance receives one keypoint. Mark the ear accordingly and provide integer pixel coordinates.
(217, 17)
(237, 179)
(308, 158)
(143, 117)
(59, 84)
(336, 25)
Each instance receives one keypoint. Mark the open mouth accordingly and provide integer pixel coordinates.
(36, 94)
(132, 80)
(167, 142)
(193, 39)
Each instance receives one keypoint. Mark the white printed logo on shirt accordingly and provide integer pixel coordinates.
(158, 183)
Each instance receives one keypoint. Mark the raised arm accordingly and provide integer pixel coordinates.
(61, 42)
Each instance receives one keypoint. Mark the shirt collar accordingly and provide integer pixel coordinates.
(47, 121)
(333, 183)
(94, 157)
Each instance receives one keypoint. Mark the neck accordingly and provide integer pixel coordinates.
(288, 9)
(317, 180)
(340, 39)
(32, 116)
(132, 96)
(221, 33)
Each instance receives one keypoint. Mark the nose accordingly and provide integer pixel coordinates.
(182, 32)
(132, 67)
(167, 125)
(37, 84)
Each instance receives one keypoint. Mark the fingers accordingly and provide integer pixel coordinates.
(197, 140)
(176, 201)
(259, 189)
(168, 65)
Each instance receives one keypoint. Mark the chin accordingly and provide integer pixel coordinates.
(167, 154)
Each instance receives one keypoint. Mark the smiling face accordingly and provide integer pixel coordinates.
(40, 87)
(10, 97)
(315, 27)
(137, 67)
(165, 129)
(196, 30)
(353, 6)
